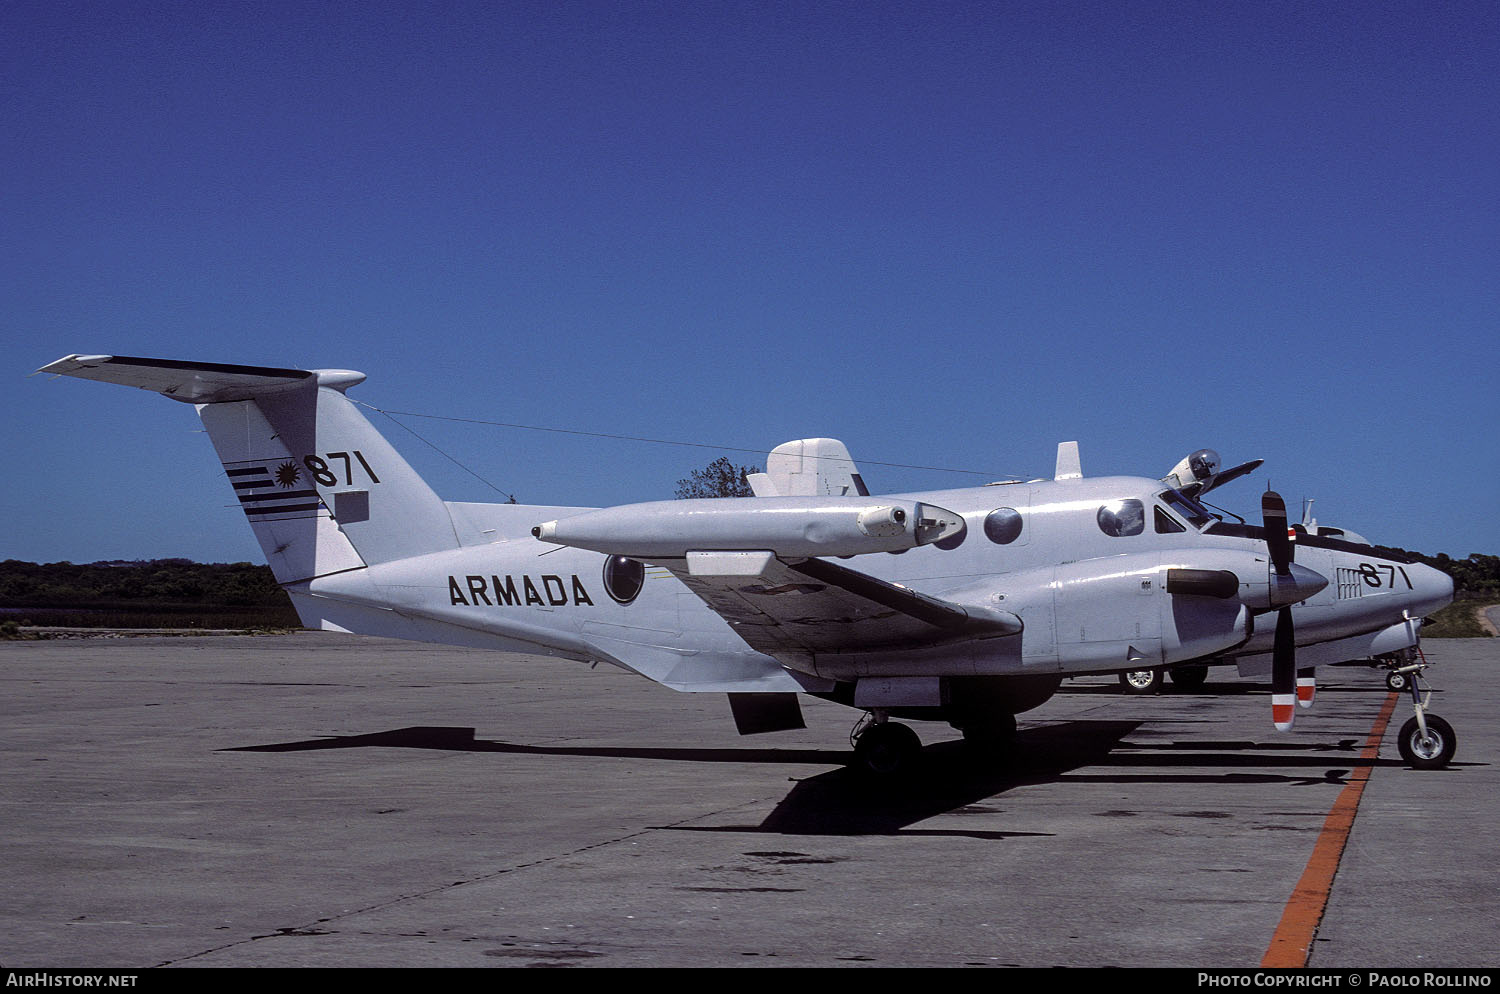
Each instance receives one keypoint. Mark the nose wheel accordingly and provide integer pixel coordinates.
(1427, 742)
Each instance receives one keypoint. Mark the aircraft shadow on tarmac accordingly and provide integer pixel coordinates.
(949, 781)
(840, 801)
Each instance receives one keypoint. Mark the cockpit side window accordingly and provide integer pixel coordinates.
(1196, 514)
(1166, 524)
(1122, 518)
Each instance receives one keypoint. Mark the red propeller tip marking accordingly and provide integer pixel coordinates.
(1283, 711)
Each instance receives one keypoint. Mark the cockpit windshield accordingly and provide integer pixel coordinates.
(1196, 514)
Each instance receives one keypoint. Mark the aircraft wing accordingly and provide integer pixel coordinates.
(796, 609)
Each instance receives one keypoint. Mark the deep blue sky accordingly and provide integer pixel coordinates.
(950, 234)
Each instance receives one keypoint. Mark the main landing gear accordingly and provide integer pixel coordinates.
(882, 747)
(888, 748)
(1426, 742)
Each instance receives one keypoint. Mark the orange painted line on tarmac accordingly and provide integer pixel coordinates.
(1292, 943)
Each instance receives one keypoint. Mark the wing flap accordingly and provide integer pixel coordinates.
(795, 610)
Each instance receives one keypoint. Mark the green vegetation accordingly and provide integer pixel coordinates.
(720, 478)
(159, 593)
(1476, 584)
(11, 630)
(1458, 620)
(1476, 577)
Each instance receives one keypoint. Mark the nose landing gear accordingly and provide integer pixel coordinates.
(1426, 742)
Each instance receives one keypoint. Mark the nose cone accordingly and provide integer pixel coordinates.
(1431, 589)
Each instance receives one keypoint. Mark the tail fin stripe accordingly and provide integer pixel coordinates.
(287, 495)
(283, 510)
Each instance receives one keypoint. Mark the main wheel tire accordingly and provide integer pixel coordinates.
(1188, 677)
(1397, 681)
(1141, 681)
(1432, 753)
(887, 749)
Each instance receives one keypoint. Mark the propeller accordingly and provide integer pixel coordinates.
(1285, 585)
(1284, 651)
(1291, 687)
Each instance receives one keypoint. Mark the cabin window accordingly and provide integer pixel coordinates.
(1003, 525)
(1122, 518)
(1165, 525)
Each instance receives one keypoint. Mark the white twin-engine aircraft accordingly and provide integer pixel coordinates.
(967, 606)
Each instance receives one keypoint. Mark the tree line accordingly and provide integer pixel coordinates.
(155, 593)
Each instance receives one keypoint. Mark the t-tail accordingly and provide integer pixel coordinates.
(323, 491)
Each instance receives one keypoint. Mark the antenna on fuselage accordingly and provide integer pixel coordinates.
(1069, 465)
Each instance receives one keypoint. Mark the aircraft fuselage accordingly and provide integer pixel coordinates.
(1083, 563)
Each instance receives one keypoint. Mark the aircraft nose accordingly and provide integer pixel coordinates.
(1432, 588)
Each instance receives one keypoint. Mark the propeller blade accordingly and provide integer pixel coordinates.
(1284, 672)
(1307, 687)
(1273, 512)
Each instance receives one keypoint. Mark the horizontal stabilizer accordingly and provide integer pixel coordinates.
(197, 382)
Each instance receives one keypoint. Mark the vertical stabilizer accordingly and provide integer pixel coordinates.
(295, 528)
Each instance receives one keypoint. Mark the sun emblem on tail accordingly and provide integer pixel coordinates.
(287, 475)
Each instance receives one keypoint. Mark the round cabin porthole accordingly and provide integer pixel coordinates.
(1003, 525)
(623, 579)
